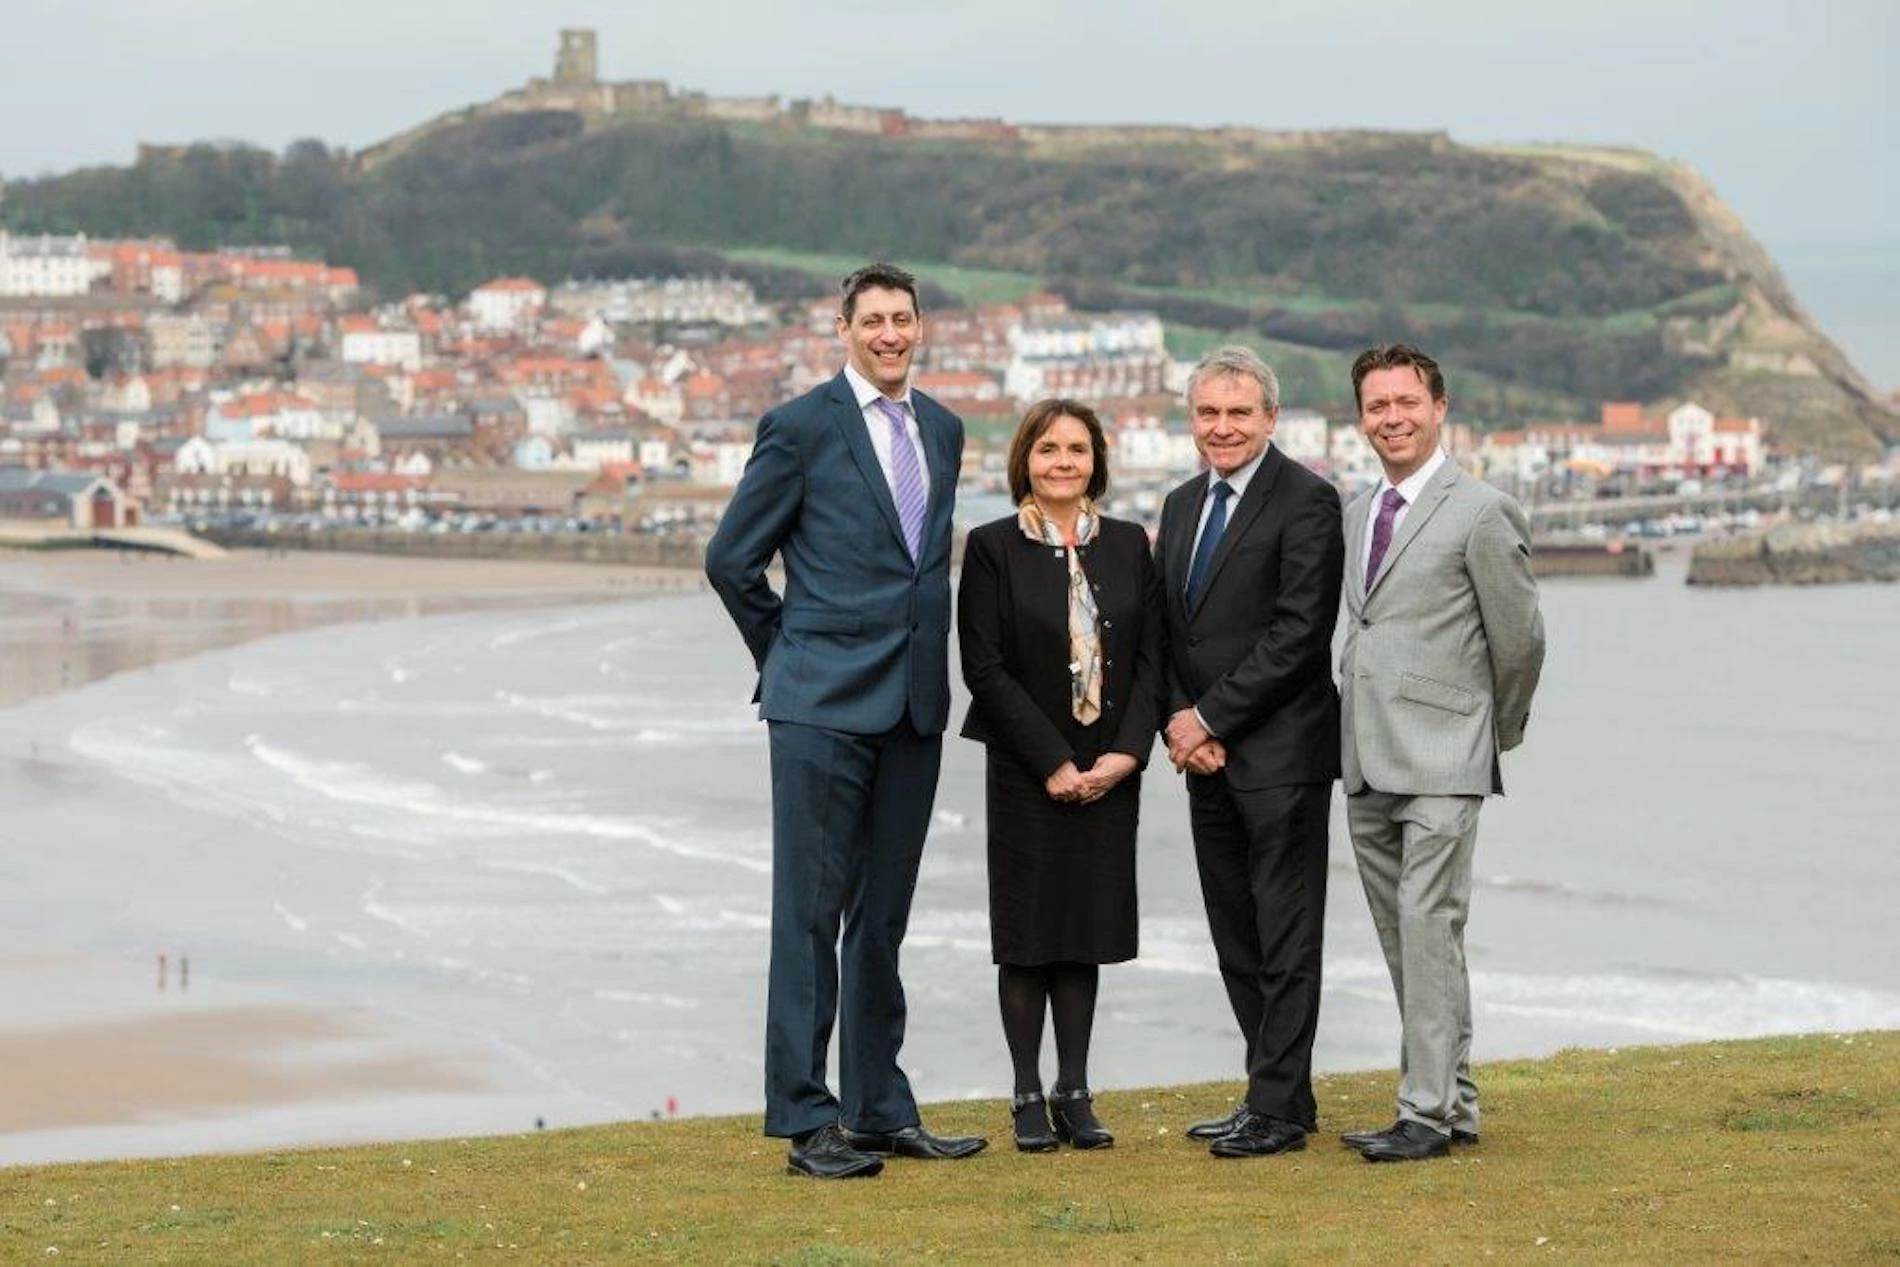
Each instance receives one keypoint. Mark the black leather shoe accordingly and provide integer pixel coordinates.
(1260, 1136)
(915, 1142)
(1073, 1115)
(1408, 1141)
(1029, 1115)
(1359, 1139)
(1217, 1127)
(825, 1154)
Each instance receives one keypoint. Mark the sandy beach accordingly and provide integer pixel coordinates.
(72, 617)
(104, 1057)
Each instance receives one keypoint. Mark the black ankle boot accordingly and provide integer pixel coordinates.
(1031, 1116)
(1074, 1118)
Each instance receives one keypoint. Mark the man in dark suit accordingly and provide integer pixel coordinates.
(1250, 556)
(851, 486)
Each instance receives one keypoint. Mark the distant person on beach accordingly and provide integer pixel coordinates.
(1444, 646)
(1250, 559)
(1059, 624)
(851, 486)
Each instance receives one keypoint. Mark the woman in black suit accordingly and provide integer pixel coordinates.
(1059, 619)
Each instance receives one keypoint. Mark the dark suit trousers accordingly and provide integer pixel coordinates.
(1262, 859)
(849, 815)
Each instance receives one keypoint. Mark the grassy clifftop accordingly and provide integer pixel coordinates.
(1773, 1150)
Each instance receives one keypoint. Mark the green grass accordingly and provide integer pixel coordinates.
(974, 286)
(1772, 1150)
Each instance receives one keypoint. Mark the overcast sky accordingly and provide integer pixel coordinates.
(1789, 109)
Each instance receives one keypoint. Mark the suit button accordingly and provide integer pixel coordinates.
(1108, 624)
(1108, 664)
(1365, 624)
(1194, 642)
(914, 626)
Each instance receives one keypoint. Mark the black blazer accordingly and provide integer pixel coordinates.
(1013, 629)
(1255, 654)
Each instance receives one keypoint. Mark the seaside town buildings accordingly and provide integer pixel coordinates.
(252, 381)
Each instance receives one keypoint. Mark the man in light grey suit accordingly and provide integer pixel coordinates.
(1444, 646)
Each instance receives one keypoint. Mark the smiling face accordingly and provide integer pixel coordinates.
(1402, 419)
(881, 336)
(1061, 463)
(1232, 423)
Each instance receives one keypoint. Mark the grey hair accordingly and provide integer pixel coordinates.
(1242, 362)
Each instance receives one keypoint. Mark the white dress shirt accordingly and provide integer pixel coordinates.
(1409, 488)
(879, 425)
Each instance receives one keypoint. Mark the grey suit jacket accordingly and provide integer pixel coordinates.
(1443, 655)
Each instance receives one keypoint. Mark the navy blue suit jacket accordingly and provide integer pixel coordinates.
(861, 633)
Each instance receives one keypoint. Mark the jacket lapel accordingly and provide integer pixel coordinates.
(1259, 488)
(940, 460)
(1178, 516)
(1357, 516)
(849, 419)
(1416, 518)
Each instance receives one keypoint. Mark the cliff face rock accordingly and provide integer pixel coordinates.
(1800, 554)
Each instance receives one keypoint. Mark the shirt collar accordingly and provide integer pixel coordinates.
(865, 391)
(1239, 480)
(1414, 484)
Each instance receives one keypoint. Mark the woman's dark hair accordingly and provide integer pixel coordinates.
(1041, 416)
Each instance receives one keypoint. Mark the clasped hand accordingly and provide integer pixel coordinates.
(1190, 747)
(1079, 788)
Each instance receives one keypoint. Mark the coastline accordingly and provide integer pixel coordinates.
(372, 824)
(73, 617)
(103, 1058)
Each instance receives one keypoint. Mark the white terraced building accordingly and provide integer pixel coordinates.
(44, 266)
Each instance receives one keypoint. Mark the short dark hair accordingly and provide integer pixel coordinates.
(882, 276)
(1041, 416)
(1393, 356)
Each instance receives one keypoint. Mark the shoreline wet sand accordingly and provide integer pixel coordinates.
(72, 617)
(99, 1061)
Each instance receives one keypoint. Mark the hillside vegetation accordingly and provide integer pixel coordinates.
(1573, 276)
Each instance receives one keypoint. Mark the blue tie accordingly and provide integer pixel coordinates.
(1210, 539)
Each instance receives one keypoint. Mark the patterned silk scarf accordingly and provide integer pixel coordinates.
(1085, 644)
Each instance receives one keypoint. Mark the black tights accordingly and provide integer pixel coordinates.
(1066, 991)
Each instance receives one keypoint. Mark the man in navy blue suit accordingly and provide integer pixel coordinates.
(851, 486)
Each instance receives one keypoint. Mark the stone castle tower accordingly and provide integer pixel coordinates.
(575, 63)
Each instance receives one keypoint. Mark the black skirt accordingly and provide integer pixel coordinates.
(1062, 876)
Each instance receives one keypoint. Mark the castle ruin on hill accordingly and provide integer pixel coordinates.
(576, 87)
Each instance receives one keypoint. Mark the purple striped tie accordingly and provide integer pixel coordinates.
(907, 476)
(1382, 532)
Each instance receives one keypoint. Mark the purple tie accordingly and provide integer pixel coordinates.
(907, 476)
(1382, 532)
